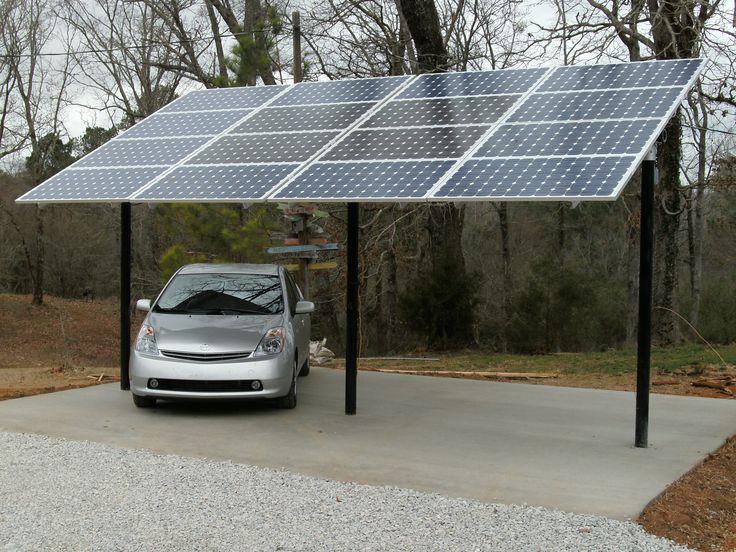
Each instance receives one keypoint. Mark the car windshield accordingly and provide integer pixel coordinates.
(227, 294)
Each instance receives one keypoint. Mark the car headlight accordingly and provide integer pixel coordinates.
(146, 342)
(272, 343)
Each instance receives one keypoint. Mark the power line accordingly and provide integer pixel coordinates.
(132, 47)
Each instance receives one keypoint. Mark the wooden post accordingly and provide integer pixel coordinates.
(296, 23)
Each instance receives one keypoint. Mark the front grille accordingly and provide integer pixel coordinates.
(204, 386)
(207, 357)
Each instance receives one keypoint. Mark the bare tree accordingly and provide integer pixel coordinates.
(654, 29)
(39, 96)
(126, 51)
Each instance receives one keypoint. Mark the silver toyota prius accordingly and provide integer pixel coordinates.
(236, 331)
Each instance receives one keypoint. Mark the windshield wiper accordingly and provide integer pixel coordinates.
(170, 311)
(236, 311)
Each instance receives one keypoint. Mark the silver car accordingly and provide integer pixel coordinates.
(223, 331)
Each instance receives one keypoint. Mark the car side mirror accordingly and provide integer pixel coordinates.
(304, 307)
(143, 305)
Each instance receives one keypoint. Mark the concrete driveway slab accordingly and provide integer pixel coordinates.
(570, 449)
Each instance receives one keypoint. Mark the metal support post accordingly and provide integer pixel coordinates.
(644, 348)
(125, 270)
(351, 311)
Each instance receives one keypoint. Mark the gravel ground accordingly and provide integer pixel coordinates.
(68, 495)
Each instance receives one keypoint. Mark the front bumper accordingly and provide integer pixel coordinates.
(274, 373)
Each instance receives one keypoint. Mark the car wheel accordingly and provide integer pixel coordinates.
(288, 401)
(305, 368)
(143, 402)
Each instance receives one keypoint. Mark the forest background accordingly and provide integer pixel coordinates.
(512, 277)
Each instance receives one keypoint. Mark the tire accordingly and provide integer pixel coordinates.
(305, 368)
(288, 401)
(144, 402)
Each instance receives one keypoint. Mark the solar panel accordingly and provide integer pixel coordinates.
(263, 148)
(580, 134)
(508, 81)
(92, 184)
(216, 183)
(365, 181)
(432, 127)
(579, 138)
(606, 104)
(562, 133)
(406, 143)
(328, 92)
(622, 75)
(218, 99)
(200, 123)
(442, 111)
(164, 151)
(524, 178)
(304, 117)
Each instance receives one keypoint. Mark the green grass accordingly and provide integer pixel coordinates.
(613, 362)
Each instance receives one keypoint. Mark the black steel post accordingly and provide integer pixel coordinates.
(125, 270)
(644, 348)
(351, 311)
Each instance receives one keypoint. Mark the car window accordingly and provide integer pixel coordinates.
(291, 293)
(222, 294)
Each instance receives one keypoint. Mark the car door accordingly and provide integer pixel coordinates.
(301, 323)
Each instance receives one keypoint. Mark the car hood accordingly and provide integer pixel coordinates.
(211, 333)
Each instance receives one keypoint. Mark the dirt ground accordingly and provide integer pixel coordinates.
(67, 344)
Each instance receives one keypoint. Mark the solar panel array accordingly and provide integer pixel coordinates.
(564, 133)
(580, 134)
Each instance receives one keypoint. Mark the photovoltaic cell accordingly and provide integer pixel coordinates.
(578, 134)
(582, 138)
(164, 151)
(93, 184)
(442, 111)
(607, 104)
(348, 181)
(327, 92)
(307, 117)
(263, 148)
(213, 183)
(204, 123)
(559, 177)
(622, 75)
(508, 81)
(406, 143)
(215, 99)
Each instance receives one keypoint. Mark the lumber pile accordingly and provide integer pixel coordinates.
(726, 384)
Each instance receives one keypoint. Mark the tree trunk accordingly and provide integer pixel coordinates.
(424, 25)
(444, 222)
(561, 232)
(221, 63)
(445, 229)
(668, 212)
(696, 220)
(503, 221)
(260, 40)
(405, 37)
(632, 272)
(39, 266)
(390, 298)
